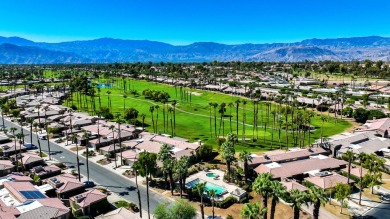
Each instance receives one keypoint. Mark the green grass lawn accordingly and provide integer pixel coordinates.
(193, 121)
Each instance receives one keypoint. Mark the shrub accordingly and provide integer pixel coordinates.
(204, 152)
(348, 111)
(322, 108)
(377, 114)
(226, 203)
(360, 115)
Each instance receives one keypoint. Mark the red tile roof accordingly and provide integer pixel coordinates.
(289, 169)
(87, 198)
(330, 181)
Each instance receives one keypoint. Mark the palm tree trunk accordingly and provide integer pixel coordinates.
(296, 213)
(273, 208)
(265, 203)
(170, 173)
(78, 162)
(147, 194)
(138, 194)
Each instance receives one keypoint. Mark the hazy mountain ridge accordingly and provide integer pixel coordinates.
(116, 50)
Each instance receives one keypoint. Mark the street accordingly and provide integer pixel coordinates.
(98, 174)
(381, 211)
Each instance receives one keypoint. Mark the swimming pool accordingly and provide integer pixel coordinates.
(104, 85)
(209, 186)
(211, 175)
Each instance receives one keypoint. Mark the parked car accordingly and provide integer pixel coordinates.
(30, 146)
(89, 184)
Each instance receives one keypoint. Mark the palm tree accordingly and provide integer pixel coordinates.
(124, 102)
(165, 154)
(108, 99)
(253, 211)
(211, 129)
(148, 167)
(317, 196)
(244, 102)
(323, 119)
(46, 108)
(13, 129)
(215, 105)
(86, 136)
(181, 169)
(174, 102)
(227, 154)
(151, 110)
(119, 121)
(156, 107)
(112, 127)
(296, 200)
(74, 139)
(136, 168)
(237, 107)
(262, 186)
(348, 156)
(278, 191)
(30, 121)
(212, 194)
(361, 157)
(245, 157)
(143, 116)
(200, 188)
(230, 116)
(20, 136)
(39, 142)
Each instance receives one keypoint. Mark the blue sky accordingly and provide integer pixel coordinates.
(184, 22)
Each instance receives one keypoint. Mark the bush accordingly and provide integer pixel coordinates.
(226, 203)
(377, 114)
(204, 152)
(130, 114)
(360, 115)
(348, 111)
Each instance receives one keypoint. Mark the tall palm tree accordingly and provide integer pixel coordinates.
(30, 121)
(361, 157)
(39, 142)
(278, 192)
(227, 154)
(174, 102)
(212, 194)
(262, 186)
(215, 105)
(112, 127)
(143, 116)
(136, 168)
(181, 169)
(230, 116)
(164, 155)
(317, 196)
(200, 188)
(244, 102)
(211, 129)
(108, 99)
(323, 119)
(124, 102)
(156, 107)
(86, 136)
(348, 156)
(13, 129)
(253, 211)
(119, 121)
(20, 136)
(296, 200)
(151, 110)
(46, 108)
(148, 167)
(237, 107)
(245, 157)
(74, 139)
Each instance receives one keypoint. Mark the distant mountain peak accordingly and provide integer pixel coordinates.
(109, 49)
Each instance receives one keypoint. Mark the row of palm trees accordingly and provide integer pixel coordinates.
(274, 190)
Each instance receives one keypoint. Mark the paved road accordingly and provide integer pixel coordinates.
(99, 174)
(380, 211)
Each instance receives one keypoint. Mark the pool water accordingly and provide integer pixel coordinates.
(211, 175)
(209, 186)
(104, 85)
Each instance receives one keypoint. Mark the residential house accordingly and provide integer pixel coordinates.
(6, 167)
(46, 171)
(66, 185)
(92, 202)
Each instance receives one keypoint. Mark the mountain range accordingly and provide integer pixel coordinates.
(16, 50)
